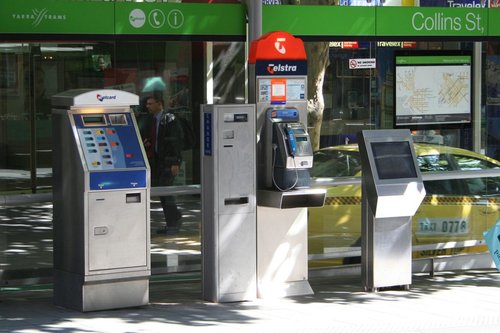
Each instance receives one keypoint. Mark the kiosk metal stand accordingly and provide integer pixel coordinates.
(101, 202)
(228, 203)
(392, 192)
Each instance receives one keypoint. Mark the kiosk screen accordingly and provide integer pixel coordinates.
(393, 160)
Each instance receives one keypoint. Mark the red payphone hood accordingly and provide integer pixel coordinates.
(277, 45)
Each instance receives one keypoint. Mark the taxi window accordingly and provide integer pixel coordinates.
(486, 186)
(436, 163)
(472, 163)
(335, 163)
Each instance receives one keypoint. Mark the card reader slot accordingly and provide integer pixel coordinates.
(236, 201)
(133, 198)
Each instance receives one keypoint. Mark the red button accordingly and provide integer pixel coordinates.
(114, 144)
(129, 155)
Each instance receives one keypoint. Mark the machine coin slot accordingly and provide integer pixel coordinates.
(228, 134)
(236, 201)
(99, 231)
(133, 198)
(118, 119)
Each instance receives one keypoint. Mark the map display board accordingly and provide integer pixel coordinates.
(433, 89)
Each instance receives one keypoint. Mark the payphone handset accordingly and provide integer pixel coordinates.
(292, 145)
(290, 149)
(292, 142)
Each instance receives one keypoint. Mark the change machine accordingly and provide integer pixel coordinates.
(278, 86)
(228, 203)
(392, 191)
(101, 202)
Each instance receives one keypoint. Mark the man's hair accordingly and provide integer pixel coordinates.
(156, 97)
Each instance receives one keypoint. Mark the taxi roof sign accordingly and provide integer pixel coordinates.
(277, 45)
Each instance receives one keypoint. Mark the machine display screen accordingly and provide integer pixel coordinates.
(94, 120)
(393, 160)
(283, 114)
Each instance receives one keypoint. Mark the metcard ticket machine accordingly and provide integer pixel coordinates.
(101, 202)
(278, 87)
(392, 191)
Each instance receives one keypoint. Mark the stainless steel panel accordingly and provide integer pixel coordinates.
(391, 252)
(237, 257)
(282, 252)
(229, 204)
(117, 231)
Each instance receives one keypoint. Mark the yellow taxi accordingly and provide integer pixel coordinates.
(453, 210)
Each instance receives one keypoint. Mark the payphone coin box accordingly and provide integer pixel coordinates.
(101, 202)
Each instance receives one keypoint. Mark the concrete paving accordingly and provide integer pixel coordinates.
(457, 302)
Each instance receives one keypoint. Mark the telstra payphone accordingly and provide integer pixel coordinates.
(291, 151)
(278, 86)
(392, 190)
(228, 203)
(101, 202)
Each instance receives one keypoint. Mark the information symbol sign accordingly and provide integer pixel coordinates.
(175, 19)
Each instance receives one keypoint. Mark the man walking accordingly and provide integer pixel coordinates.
(163, 143)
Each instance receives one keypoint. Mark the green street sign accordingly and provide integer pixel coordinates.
(431, 21)
(202, 19)
(180, 19)
(494, 19)
(319, 20)
(56, 17)
(433, 60)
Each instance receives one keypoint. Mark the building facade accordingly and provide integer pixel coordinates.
(194, 52)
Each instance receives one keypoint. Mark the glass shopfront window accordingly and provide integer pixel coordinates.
(356, 99)
(30, 73)
(188, 73)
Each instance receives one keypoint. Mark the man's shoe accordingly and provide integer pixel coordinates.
(161, 231)
(172, 230)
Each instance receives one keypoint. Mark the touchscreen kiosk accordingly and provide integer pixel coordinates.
(392, 190)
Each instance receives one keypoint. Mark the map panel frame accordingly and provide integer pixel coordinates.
(433, 88)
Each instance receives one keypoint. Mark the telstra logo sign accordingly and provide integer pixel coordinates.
(272, 68)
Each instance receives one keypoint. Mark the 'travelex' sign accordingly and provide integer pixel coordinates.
(278, 53)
